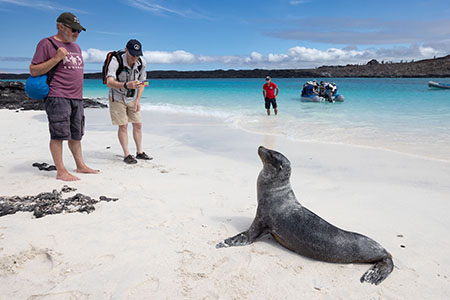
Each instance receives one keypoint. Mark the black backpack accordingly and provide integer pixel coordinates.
(118, 56)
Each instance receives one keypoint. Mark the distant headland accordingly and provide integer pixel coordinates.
(435, 67)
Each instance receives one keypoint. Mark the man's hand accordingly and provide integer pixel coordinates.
(61, 53)
(133, 84)
(137, 106)
(46, 66)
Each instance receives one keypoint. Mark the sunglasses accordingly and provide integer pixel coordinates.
(73, 30)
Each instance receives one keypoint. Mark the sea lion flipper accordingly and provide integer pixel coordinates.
(243, 238)
(240, 239)
(379, 271)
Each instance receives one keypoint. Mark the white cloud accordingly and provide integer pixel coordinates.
(158, 9)
(94, 55)
(428, 51)
(153, 7)
(256, 57)
(41, 5)
(332, 54)
(297, 2)
(175, 57)
(295, 57)
(277, 58)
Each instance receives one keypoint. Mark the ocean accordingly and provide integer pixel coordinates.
(394, 114)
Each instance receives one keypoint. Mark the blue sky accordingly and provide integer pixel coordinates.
(205, 35)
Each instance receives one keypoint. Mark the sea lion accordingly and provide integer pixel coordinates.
(300, 230)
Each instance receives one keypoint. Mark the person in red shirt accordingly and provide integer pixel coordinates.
(270, 96)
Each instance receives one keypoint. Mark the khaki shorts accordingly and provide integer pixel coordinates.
(123, 113)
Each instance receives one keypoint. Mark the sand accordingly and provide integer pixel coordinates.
(158, 240)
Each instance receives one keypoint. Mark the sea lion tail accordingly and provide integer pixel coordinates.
(379, 271)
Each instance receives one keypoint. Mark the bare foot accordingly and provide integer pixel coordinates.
(66, 176)
(87, 170)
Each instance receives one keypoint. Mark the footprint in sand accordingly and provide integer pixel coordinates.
(69, 295)
(90, 265)
(162, 169)
(144, 289)
(219, 263)
(34, 261)
(191, 270)
(29, 268)
(141, 164)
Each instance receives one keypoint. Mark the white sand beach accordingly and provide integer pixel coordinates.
(158, 240)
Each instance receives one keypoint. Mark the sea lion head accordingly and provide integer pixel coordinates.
(277, 167)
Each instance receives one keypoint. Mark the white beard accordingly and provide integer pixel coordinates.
(68, 37)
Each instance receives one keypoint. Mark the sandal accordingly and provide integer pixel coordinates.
(143, 156)
(44, 166)
(130, 160)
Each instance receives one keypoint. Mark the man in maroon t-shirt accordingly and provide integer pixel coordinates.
(64, 103)
(270, 97)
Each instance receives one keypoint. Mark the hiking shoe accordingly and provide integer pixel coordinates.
(143, 156)
(130, 160)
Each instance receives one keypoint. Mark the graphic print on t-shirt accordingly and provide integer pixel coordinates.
(72, 61)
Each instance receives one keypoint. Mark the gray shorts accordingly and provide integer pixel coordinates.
(65, 118)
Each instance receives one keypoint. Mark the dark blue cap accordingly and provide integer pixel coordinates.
(134, 47)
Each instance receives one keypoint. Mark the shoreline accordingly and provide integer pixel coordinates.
(158, 238)
(231, 123)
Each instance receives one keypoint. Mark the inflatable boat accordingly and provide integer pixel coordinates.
(317, 98)
(438, 85)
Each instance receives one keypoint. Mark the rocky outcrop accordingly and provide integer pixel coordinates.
(436, 67)
(12, 96)
(373, 62)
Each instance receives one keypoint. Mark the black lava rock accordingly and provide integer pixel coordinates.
(50, 203)
(13, 96)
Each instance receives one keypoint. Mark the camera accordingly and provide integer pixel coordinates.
(130, 93)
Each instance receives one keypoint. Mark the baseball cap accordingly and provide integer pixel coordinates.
(71, 20)
(134, 47)
(268, 77)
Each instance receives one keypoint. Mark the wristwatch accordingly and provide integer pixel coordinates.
(125, 85)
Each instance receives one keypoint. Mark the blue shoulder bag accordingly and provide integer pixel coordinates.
(38, 87)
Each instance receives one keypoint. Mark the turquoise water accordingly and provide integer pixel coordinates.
(394, 114)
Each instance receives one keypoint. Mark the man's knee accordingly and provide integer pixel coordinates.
(54, 142)
(137, 126)
(123, 128)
